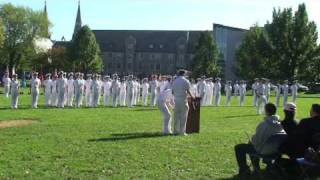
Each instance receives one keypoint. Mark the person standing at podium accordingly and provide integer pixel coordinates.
(180, 89)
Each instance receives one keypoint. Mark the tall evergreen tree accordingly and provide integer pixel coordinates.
(85, 51)
(206, 57)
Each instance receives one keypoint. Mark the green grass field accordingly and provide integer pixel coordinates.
(123, 143)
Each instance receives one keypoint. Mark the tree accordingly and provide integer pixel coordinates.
(252, 54)
(85, 51)
(1, 34)
(206, 57)
(21, 27)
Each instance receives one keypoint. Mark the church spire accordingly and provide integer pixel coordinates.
(45, 8)
(78, 24)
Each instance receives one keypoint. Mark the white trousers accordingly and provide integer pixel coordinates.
(123, 98)
(14, 99)
(35, 97)
(115, 98)
(48, 98)
(228, 99)
(95, 99)
(166, 117)
(217, 99)
(70, 99)
(181, 109)
(78, 97)
(6, 91)
(262, 101)
(255, 99)
(294, 97)
(145, 99)
(106, 98)
(153, 98)
(61, 99)
(241, 99)
(278, 100)
(285, 100)
(54, 99)
(88, 99)
(130, 99)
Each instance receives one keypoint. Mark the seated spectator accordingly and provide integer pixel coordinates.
(289, 123)
(267, 128)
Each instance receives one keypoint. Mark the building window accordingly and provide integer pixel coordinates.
(110, 65)
(119, 66)
(151, 46)
(110, 55)
(129, 65)
(161, 46)
(158, 67)
(140, 66)
(152, 66)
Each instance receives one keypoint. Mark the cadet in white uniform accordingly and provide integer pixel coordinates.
(15, 85)
(145, 91)
(217, 92)
(123, 93)
(278, 88)
(62, 87)
(268, 89)
(285, 91)
(88, 87)
(54, 91)
(154, 85)
(194, 88)
(79, 89)
(70, 85)
(242, 92)
(135, 93)
(261, 94)
(6, 84)
(138, 91)
(96, 90)
(165, 102)
(35, 85)
(115, 89)
(236, 89)
(228, 90)
(180, 89)
(47, 89)
(255, 85)
(202, 90)
(130, 92)
(106, 90)
(294, 91)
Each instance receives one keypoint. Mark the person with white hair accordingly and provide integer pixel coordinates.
(106, 90)
(6, 84)
(79, 89)
(123, 93)
(242, 92)
(70, 89)
(228, 91)
(145, 91)
(115, 89)
(35, 91)
(285, 90)
(54, 91)
(48, 89)
(154, 86)
(165, 102)
(61, 86)
(96, 90)
(217, 92)
(15, 85)
(88, 88)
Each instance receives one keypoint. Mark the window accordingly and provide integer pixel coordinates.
(161, 46)
(152, 66)
(140, 66)
(158, 66)
(129, 65)
(110, 55)
(119, 66)
(110, 65)
(151, 46)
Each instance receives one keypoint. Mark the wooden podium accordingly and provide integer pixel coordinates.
(193, 122)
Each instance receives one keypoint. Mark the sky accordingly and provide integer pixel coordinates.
(161, 14)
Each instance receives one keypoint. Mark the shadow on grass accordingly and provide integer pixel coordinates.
(147, 109)
(246, 115)
(130, 136)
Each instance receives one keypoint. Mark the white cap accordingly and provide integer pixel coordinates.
(290, 107)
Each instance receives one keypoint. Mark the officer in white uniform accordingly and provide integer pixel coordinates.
(79, 89)
(35, 91)
(96, 90)
(165, 102)
(70, 85)
(115, 89)
(294, 91)
(15, 85)
(88, 87)
(268, 89)
(61, 87)
(255, 85)
(236, 89)
(130, 91)
(181, 88)
(123, 93)
(145, 91)
(106, 90)
(194, 88)
(261, 94)
(278, 89)
(202, 90)
(242, 92)
(54, 91)
(6, 84)
(154, 86)
(285, 91)
(47, 89)
(228, 90)
(217, 92)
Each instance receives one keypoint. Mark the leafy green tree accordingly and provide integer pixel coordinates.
(1, 34)
(206, 57)
(21, 27)
(85, 51)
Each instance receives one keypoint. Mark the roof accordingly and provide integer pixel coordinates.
(228, 27)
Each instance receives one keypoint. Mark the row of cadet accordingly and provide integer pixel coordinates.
(61, 91)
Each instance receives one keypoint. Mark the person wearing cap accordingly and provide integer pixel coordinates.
(261, 94)
(35, 91)
(70, 89)
(255, 85)
(54, 91)
(217, 92)
(6, 84)
(166, 102)
(289, 123)
(47, 89)
(106, 90)
(130, 91)
(228, 91)
(236, 89)
(15, 85)
(206, 93)
(294, 91)
(181, 89)
(202, 90)
(277, 88)
(193, 88)
(136, 86)
(123, 93)
(88, 88)
(79, 89)
(242, 92)
(96, 90)
(145, 91)
(285, 91)
(268, 89)
(115, 90)
(154, 86)
(61, 88)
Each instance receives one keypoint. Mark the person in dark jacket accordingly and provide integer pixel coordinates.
(289, 123)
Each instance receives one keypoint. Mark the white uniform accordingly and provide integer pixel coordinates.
(268, 91)
(62, 86)
(165, 100)
(242, 93)
(202, 91)
(35, 85)
(115, 88)
(262, 100)
(255, 97)
(15, 84)
(285, 90)
(123, 94)
(96, 92)
(236, 89)
(54, 93)
(228, 90)
(145, 93)
(6, 85)
(217, 93)
(180, 87)
(88, 95)
(136, 91)
(70, 84)
(106, 92)
(154, 85)
(79, 91)
(278, 94)
(294, 92)
(47, 91)
(130, 87)
(194, 90)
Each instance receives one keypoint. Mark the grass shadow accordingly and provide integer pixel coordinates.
(247, 115)
(129, 136)
(147, 109)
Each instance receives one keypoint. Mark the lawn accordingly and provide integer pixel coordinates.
(123, 143)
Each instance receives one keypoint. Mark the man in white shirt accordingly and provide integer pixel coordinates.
(15, 85)
(202, 90)
(145, 91)
(217, 92)
(47, 89)
(294, 91)
(154, 86)
(242, 92)
(79, 89)
(130, 91)
(35, 85)
(88, 87)
(96, 90)
(6, 84)
(165, 102)
(261, 94)
(115, 90)
(181, 88)
(254, 88)
(70, 95)
(285, 90)
(54, 91)
(106, 90)
(62, 87)
(228, 90)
